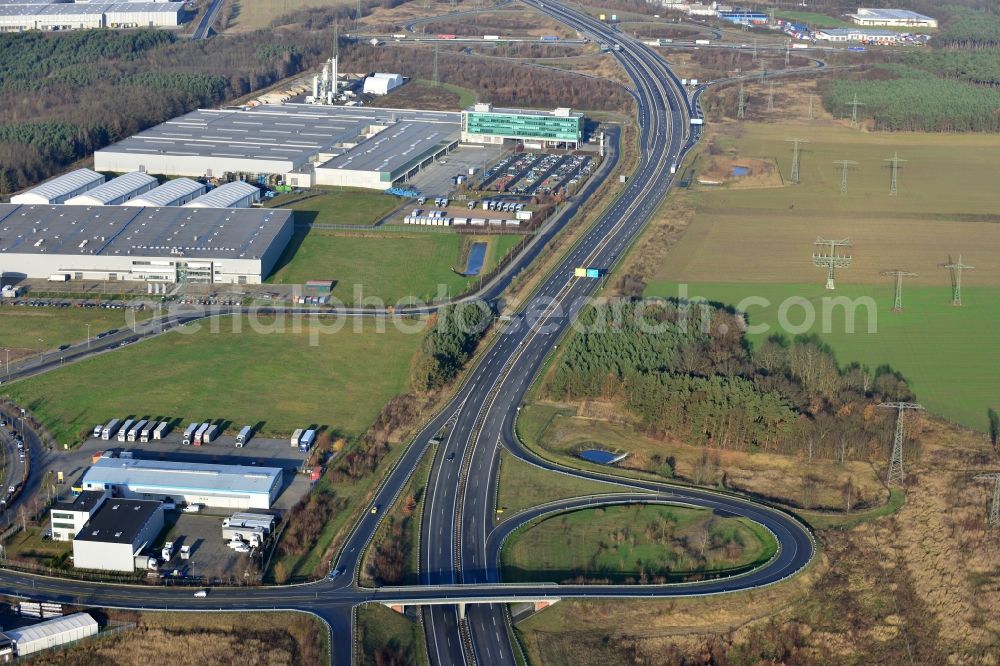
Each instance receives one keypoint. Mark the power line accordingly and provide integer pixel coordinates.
(831, 259)
(898, 275)
(994, 520)
(845, 166)
(794, 175)
(895, 473)
(854, 110)
(894, 165)
(956, 268)
(741, 109)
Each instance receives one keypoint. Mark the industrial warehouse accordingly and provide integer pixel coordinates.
(224, 486)
(23, 15)
(168, 244)
(307, 144)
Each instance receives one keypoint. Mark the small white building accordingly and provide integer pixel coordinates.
(116, 533)
(52, 633)
(116, 191)
(894, 18)
(380, 83)
(865, 35)
(176, 192)
(60, 188)
(236, 194)
(68, 518)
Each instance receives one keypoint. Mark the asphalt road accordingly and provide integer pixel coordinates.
(459, 546)
(204, 29)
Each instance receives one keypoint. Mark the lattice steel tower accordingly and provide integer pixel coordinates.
(956, 268)
(845, 166)
(741, 109)
(994, 520)
(894, 162)
(898, 275)
(895, 473)
(794, 175)
(831, 259)
(854, 110)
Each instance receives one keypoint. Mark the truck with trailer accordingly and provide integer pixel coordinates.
(133, 433)
(168, 551)
(265, 521)
(200, 434)
(161, 430)
(210, 434)
(307, 440)
(123, 431)
(189, 433)
(244, 436)
(146, 433)
(295, 437)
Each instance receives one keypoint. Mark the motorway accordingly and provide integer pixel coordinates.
(459, 545)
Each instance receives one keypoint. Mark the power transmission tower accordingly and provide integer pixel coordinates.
(895, 473)
(845, 166)
(741, 109)
(770, 97)
(794, 175)
(435, 76)
(831, 259)
(994, 520)
(894, 165)
(898, 275)
(854, 110)
(357, 17)
(763, 72)
(755, 49)
(956, 268)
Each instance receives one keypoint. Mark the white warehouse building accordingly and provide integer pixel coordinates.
(176, 192)
(116, 191)
(895, 18)
(236, 194)
(225, 486)
(52, 633)
(169, 244)
(56, 15)
(60, 188)
(381, 83)
(116, 533)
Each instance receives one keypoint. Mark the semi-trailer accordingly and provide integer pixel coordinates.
(147, 431)
(200, 433)
(133, 433)
(161, 430)
(210, 434)
(244, 436)
(189, 433)
(307, 439)
(110, 429)
(123, 432)
(295, 437)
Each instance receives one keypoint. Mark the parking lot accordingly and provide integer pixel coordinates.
(436, 179)
(529, 174)
(210, 556)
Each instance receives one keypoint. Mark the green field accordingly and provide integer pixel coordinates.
(619, 543)
(26, 330)
(257, 14)
(523, 486)
(385, 632)
(385, 265)
(813, 19)
(948, 355)
(277, 378)
(339, 207)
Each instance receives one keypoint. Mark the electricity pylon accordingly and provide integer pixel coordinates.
(741, 109)
(770, 97)
(811, 106)
(895, 473)
(794, 175)
(763, 72)
(755, 49)
(956, 268)
(898, 275)
(854, 110)
(845, 166)
(994, 520)
(894, 166)
(831, 259)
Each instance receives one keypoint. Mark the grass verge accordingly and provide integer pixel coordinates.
(386, 637)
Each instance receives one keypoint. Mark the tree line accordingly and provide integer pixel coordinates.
(450, 341)
(690, 373)
(969, 28)
(902, 98)
(91, 88)
(978, 67)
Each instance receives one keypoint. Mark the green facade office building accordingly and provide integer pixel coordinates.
(484, 124)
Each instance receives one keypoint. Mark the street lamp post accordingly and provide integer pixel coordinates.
(88, 336)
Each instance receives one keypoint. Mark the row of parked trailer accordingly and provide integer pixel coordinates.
(132, 430)
(428, 221)
(303, 438)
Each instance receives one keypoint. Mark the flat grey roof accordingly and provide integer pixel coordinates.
(270, 132)
(396, 147)
(85, 501)
(163, 476)
(894, 14)
(118, 521)
(524, 112)
(208, 233)
(82, 9)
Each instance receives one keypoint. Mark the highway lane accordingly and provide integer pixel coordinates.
(204, 29)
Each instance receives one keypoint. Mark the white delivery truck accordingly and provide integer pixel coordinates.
(306, 440)
(199, 434)
(133, 433)
(295, 437)
(146, 433)
(110, 429)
